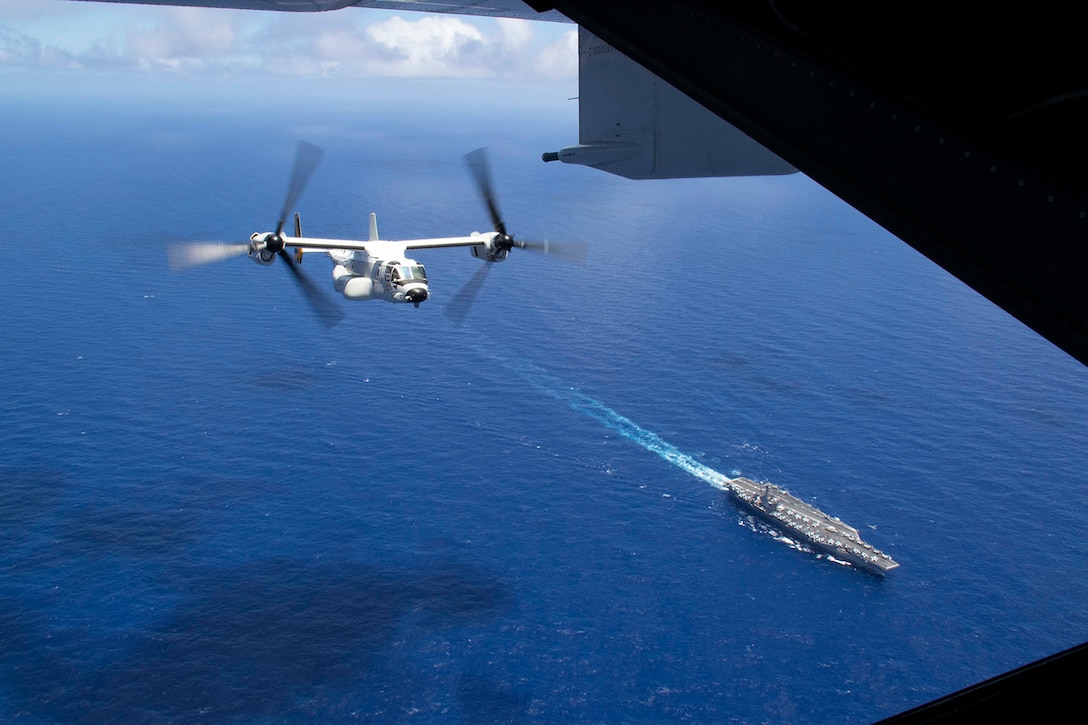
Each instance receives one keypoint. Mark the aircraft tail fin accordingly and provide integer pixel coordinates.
(373, 227)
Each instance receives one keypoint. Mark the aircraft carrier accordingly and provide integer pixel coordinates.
(812, 526)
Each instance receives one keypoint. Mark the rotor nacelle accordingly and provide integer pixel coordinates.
(263, 247)
(494, 249)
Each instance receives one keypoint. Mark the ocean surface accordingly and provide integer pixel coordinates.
(212, 509)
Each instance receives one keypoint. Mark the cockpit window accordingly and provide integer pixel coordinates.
(413, 271)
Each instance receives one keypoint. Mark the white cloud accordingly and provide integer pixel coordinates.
(349, 43)
(23, 51)
(516, 34)
(185, 34)
(431, 46)
(560, 59)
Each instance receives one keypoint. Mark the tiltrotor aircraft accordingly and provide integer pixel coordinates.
(374, 269)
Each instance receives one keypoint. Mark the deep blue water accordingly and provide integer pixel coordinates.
(213, 509)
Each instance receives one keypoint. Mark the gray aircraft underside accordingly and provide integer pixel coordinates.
(630, 122)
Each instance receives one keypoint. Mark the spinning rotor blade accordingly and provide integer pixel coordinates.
(188, 255)
(481, 173)
(460, 303)
(184, 256)
(570, 251)
(306, 159)
(477, 164)
(322, 306)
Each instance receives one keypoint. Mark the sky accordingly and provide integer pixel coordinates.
(150, 46)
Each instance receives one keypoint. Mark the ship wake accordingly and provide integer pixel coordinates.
(821, 534)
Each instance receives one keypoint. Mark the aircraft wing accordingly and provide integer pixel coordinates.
(491, 8)
(311, 244)
(633, 124)
(469, 241)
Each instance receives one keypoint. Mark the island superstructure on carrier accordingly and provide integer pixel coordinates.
(823, 533)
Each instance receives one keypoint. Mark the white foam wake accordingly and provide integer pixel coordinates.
(626, 427)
